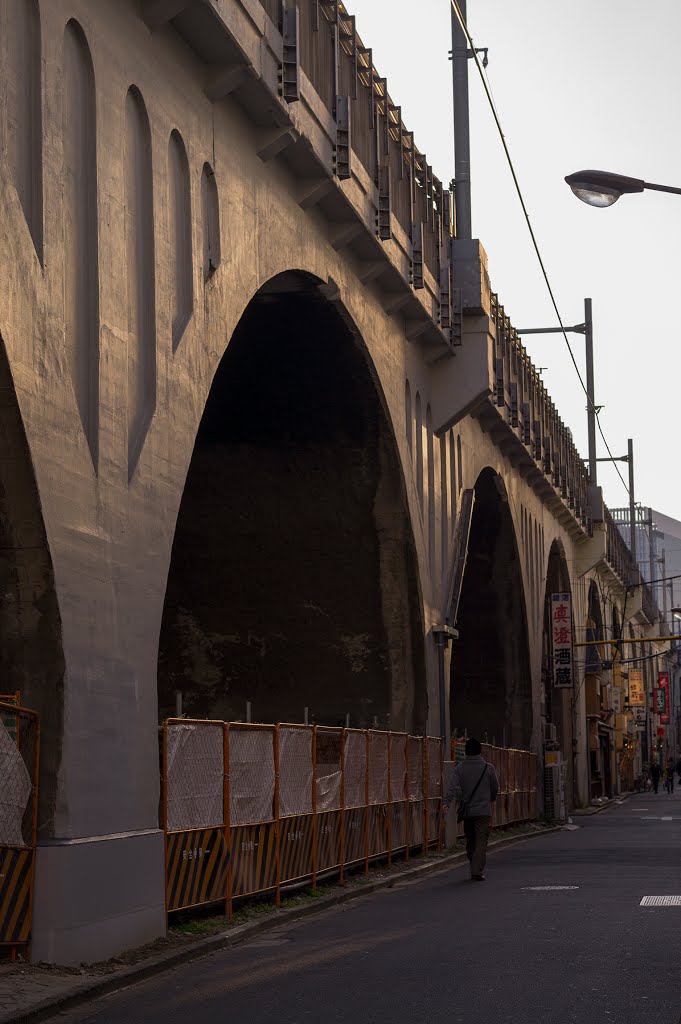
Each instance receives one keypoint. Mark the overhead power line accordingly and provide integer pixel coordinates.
(488, 93)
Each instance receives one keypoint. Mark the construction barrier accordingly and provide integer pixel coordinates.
(252, 808)
(19, 760)
(517, 773)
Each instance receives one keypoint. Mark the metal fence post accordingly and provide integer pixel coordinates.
(164, 813)
(426, 822)
(366, 805)
(388, 743)
(226, 814)
(277, 824)
(314, 806)
(407, 798)
(342, 803)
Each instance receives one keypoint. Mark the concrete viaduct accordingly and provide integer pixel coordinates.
(264, 426)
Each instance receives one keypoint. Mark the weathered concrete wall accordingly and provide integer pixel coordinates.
(120, 296)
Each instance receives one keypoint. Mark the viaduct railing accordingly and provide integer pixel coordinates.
(252, 808)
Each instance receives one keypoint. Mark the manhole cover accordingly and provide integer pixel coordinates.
(661, 901)
(548, 888)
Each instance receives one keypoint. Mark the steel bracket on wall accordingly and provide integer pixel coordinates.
(417, 254)
(383, 228)
(343, 154)
(289, 73)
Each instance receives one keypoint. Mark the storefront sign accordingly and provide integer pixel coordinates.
(663, 680)
(640, 719)
(616, 699)
(637, 697)
(664, 719)
(561, 626)
(660, 701)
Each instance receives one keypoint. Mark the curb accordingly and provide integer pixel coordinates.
(129, 976)
(586, 812)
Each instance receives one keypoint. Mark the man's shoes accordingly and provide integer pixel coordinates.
(477, 878)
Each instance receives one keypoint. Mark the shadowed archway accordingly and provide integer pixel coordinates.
(293, 579)
(491, 689)
(558, 700)
(31, 655)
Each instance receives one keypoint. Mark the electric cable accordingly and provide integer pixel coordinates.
(495, 114)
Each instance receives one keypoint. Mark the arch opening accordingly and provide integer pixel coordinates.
(31, 654)
(491, 689)
(558, 699)
(293, 577)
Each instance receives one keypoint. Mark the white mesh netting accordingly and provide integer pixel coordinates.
(295, 771)
(15, 790)
(195, 776)
(251, 775)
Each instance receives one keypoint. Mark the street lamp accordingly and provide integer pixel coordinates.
(587, 330)
(603, 188)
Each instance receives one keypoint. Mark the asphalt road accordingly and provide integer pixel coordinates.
(448, 950)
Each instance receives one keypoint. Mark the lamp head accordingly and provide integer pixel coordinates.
(602, 188)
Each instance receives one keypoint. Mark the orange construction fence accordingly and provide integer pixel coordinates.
(252, 808)
(517, 773)
(19, 764)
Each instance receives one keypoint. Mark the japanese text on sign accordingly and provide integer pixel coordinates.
(660, 701)
(636, 692)
(561, 632)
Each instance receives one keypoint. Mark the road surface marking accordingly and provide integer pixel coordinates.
(661, 901)
(547, 888)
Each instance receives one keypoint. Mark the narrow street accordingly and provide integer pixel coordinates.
(445, 950)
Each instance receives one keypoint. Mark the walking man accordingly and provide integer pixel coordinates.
(655, 775)
(475, 784)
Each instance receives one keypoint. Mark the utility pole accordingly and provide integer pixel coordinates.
(632, 502)
(590, 391)
(462, 135)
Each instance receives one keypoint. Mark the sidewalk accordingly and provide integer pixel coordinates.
(35, 992)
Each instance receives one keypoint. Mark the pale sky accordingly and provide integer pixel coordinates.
(585, 84)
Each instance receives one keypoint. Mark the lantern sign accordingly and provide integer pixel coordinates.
(637, 698)
(561, 636)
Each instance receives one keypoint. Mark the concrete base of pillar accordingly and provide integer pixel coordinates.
(98, 896)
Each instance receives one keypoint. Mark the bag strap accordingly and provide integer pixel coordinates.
(470, 798)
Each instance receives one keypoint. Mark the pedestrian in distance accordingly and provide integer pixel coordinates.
(475, 785)
(655, 775)
(669, 777)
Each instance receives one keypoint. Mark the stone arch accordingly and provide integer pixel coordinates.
(81, 243)
(210, 216)
(180, 236)
(601, 752)
(408, 418)
(293, 580)
(558, 699)
(420, 454)
(490, 686)
(31, 654)
(141, 275)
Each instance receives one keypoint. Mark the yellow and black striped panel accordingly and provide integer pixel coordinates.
(254, 864)
(16, 879)
(378, 830)
(196, 868)
(355, 835)
(416, 823)
(295, 847)
(328, 840)
(398, 825)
